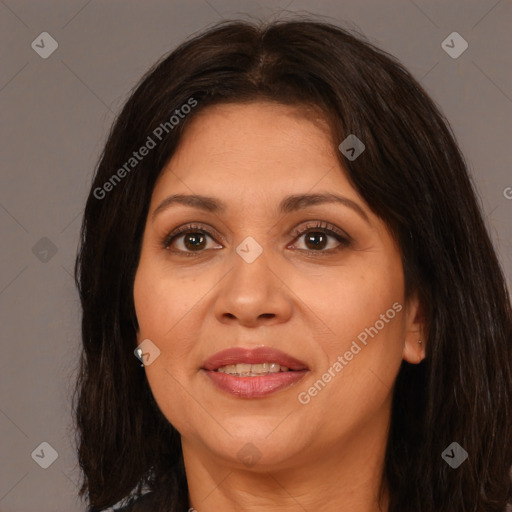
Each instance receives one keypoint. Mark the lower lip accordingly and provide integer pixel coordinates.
(255, 387)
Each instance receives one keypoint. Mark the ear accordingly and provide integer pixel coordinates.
(415, 331)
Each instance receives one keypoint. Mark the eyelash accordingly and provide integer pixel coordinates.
(321, 226)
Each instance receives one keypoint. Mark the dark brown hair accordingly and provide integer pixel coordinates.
(411, 174)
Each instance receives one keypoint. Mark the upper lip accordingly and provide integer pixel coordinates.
(236, 355)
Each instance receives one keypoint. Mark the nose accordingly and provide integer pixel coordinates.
(253, 293)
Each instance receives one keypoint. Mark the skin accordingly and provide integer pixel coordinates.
(327, 454)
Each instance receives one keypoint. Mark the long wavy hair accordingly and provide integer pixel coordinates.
(411, 174)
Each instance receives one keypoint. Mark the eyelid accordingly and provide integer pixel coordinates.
(322, 226)
(343, 237)
(180, 230)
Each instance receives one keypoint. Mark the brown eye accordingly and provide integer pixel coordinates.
(316, 238)
(187, 239)
(193, 241)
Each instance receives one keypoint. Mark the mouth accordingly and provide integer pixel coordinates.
(253, 373)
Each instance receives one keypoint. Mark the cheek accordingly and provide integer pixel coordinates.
(363, 311)
(161, 307)
(166, 318)
(162, 300)
(355, 301)
(161, 313)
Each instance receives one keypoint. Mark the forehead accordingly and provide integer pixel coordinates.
(255, 148)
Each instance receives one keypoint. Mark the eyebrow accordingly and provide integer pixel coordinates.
(289, 204)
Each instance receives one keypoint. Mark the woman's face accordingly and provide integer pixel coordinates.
(332, 300)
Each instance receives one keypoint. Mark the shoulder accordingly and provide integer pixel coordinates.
(143, 504)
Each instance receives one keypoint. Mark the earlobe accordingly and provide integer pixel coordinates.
(414, 353)
(415, 332)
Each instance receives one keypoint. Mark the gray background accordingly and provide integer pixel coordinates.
(55, 114)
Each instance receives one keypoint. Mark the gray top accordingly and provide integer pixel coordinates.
(142, 504)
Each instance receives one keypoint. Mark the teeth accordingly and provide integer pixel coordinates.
(252, 370)
(243, 368)
(260, 369)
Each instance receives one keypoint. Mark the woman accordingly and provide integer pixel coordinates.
(282, 229)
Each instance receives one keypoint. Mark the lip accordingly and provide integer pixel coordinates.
(252, 356)
(253, 387)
